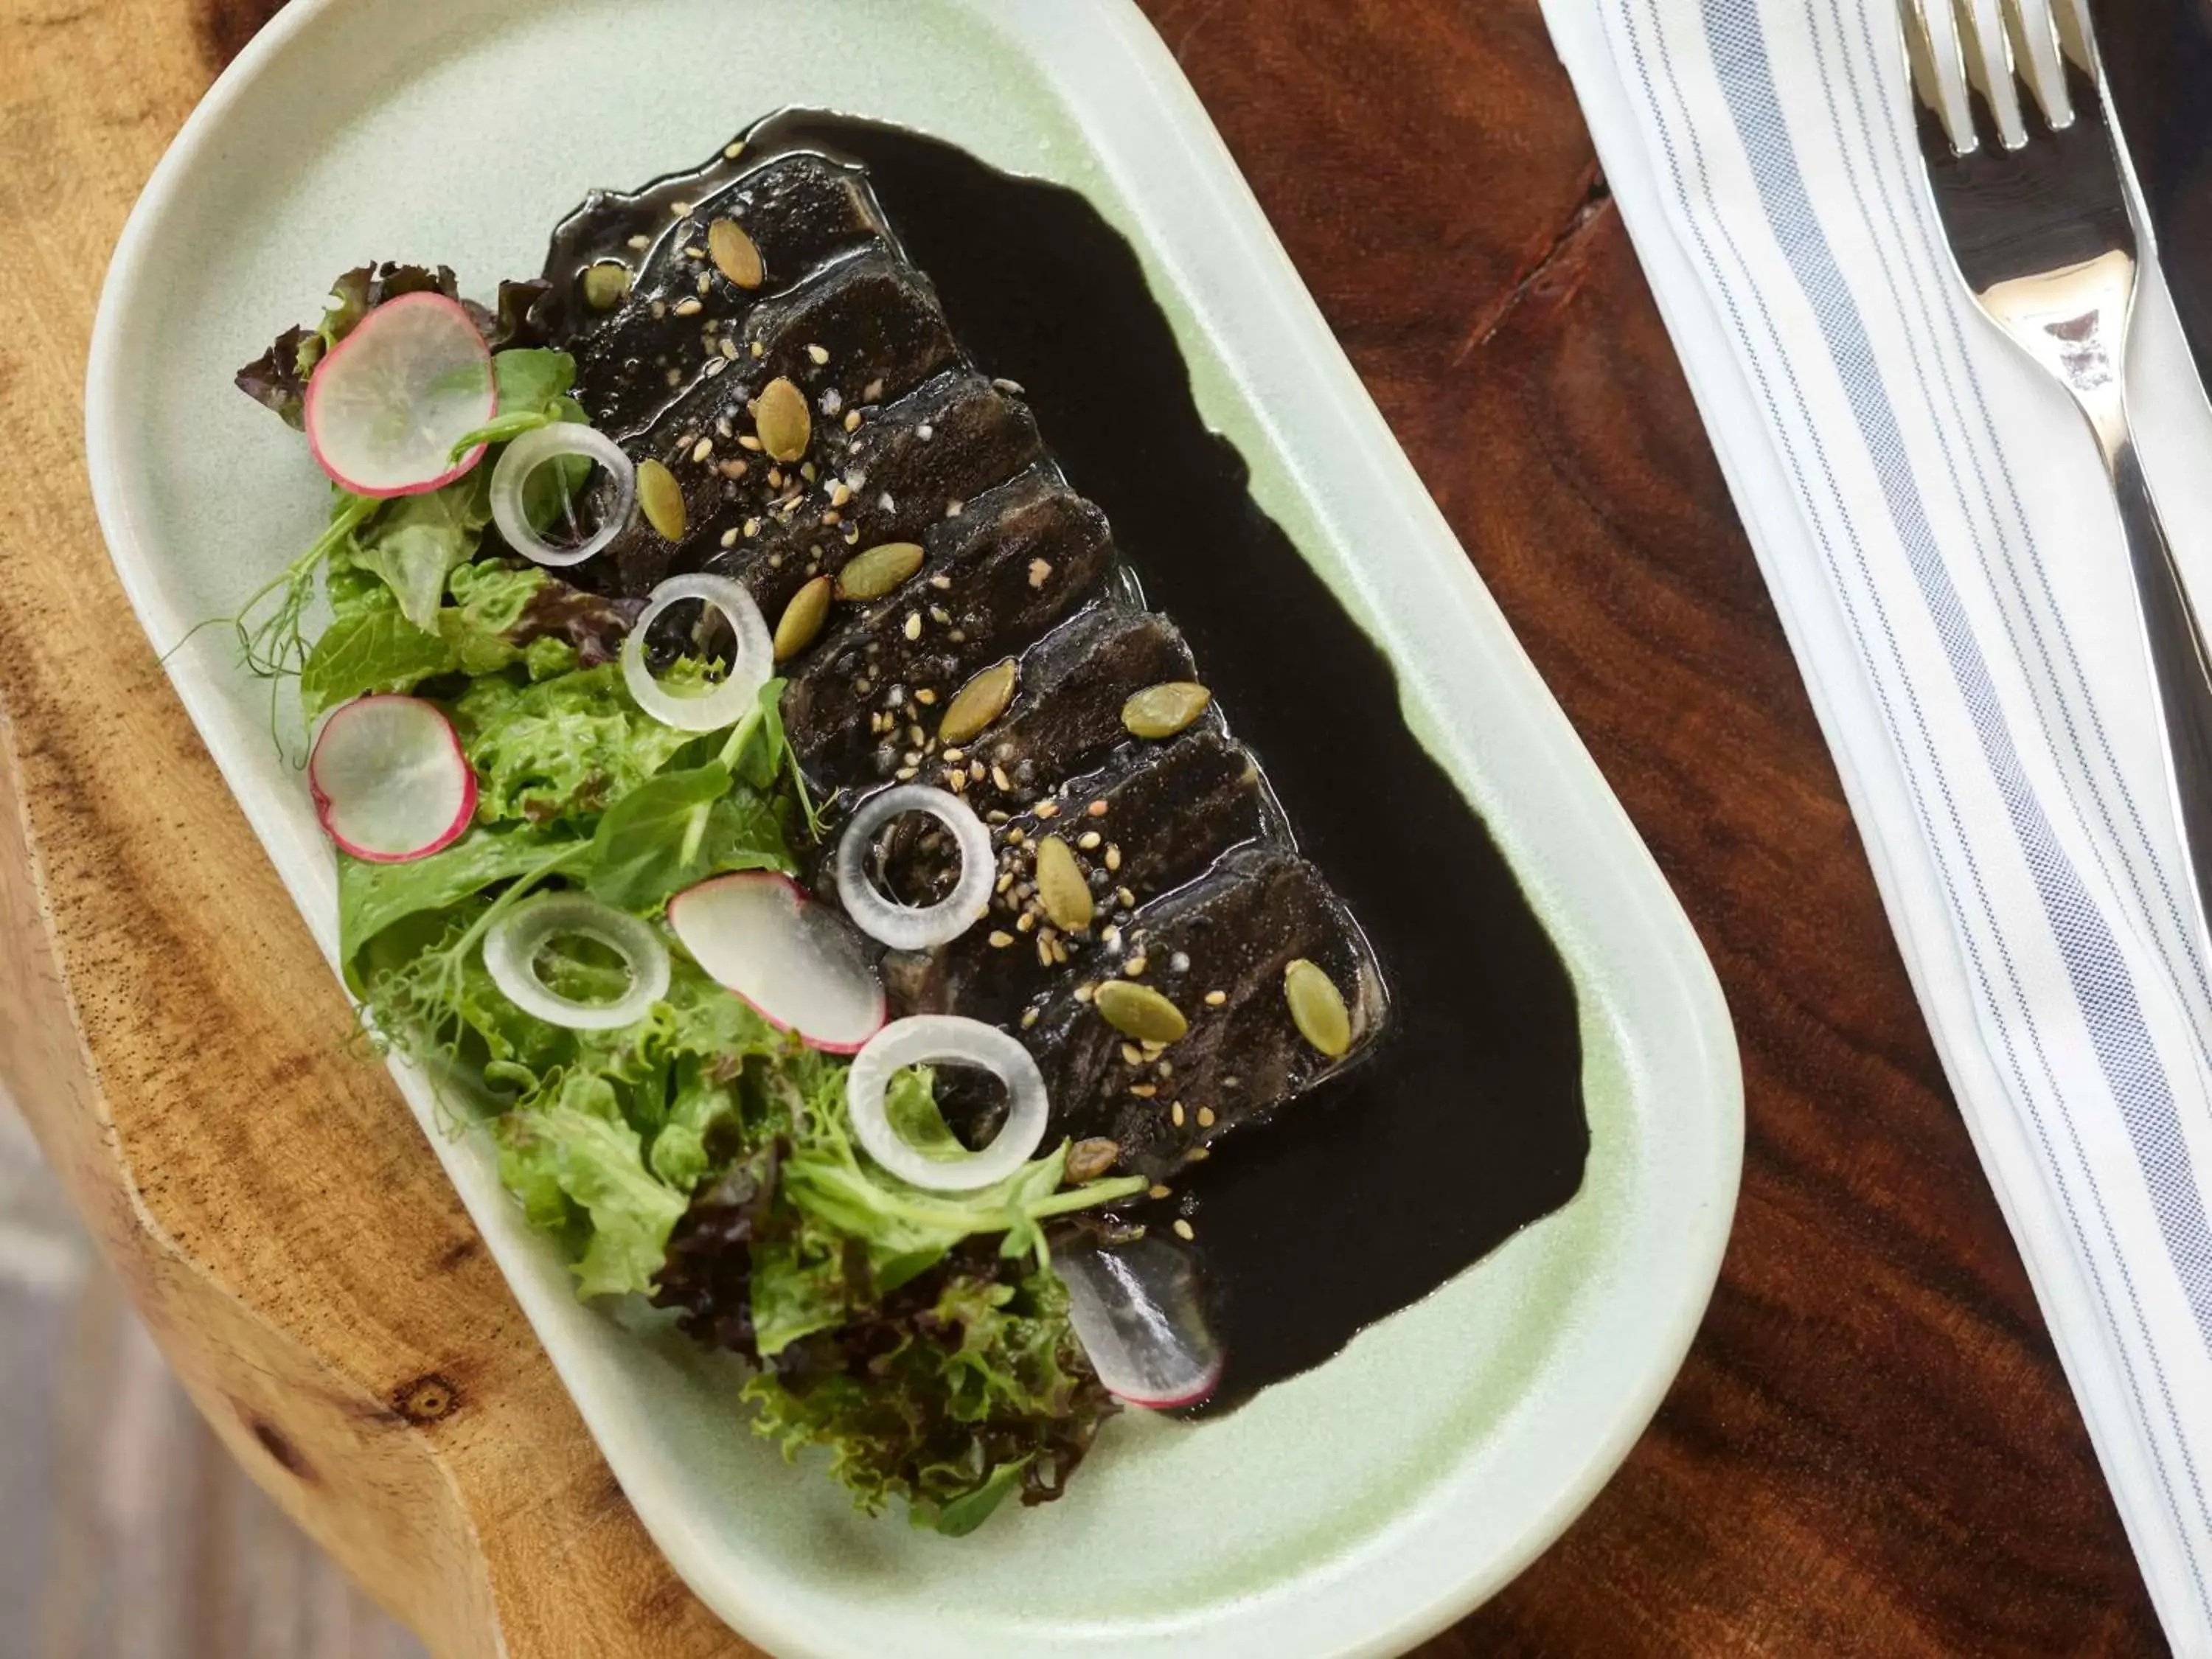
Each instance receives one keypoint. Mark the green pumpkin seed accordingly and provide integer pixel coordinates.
(1139, 1011)
(606, 284)
(1317, 1008)
(802, 618)
(1162, 710)
(662, 498)
(977, 703)
(782, 421)
(872, 574)
(733, 253)
(1060, 886)
(1089, 1159)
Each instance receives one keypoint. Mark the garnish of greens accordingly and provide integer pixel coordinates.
(700, 1156)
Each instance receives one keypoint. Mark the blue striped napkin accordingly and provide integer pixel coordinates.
(1932, 518)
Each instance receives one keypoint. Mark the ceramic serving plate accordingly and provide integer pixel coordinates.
(1351, 1511)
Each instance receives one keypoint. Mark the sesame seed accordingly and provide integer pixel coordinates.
(839, 492)
(1113, 856)
(714, 366)
(852, 420)
(1047, 809)
(1029, 1018)
(913, 624)
(1015, 838)
(1006, 880)
(678, 209)
(701, 285)
(660, 309)
(924, 432)
(641, 243)
(702, 449)
(728, 348)
(731, 152)
(759, 350)
(688, 307)
(999, 776)
(1143, 1091)
(1040, 572)
(1158, 1191)
(730, 537)
(1215, 998)
(749, 441)
(1000, 939)
(1025, 922)
(1132, 1055)
(734, 467)
(818, 354)
(924, 696)
(952, 508)
(1134, 967)
(1206, 1117)
(916, 736)
(1089, 839)
(1184, 1231)
(872, 391)
(941, 581)
(905, 774)
(1085, 992)
(1127, 899)
(1179, 963)
(752, 526)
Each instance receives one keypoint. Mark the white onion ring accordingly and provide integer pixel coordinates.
(907, 926)
(522, 458)
(918, 1041)
(510, 955)
(736, 697)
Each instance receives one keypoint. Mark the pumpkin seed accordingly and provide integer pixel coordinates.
(606, 284)
(1162, 710)
(1060, 887)
(1089, 1159)
(1139, 1011)
(733, 253)
(1317, 1008)
(802, 618)
(977, 703)
(662, 498)
(872, 574)
(783, 421)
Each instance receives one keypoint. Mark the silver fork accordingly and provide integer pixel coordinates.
(2036, 205)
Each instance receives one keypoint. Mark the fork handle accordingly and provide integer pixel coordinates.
(2180, 670)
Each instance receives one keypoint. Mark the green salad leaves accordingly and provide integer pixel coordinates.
(700, 1156)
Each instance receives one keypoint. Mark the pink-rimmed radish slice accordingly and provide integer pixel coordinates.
(921, 1040)
(796, 962)
(1139, 1313)
(387, 406)
(390, 781)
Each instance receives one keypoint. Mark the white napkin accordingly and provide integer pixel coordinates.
(1934, 523)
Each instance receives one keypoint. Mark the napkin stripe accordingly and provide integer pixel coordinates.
(1743, 69)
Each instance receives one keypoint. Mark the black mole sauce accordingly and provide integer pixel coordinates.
(1465, 1123)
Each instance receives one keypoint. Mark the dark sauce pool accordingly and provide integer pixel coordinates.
(1465, 1123)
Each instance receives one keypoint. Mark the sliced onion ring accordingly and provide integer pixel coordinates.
(734, 698)
(908, 927)
(520, 460)
(917, 1041)
(510, 954)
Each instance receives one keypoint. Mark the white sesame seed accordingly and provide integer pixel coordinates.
(924, 432)
(819, 355)
(688, 307)
(702, 449)
(913, 624)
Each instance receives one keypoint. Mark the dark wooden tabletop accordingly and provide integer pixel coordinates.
(1871, 1450)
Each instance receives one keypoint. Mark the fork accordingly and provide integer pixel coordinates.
(2034, 194)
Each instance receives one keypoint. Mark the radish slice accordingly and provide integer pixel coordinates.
(385, 408)
(1137, 1310)
(795, 961)
(510, 955)
(917, 1041)
(390, 781)
(521, 460)
(736, 697)
(907, 927)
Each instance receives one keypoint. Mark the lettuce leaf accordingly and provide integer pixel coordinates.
(563, 749)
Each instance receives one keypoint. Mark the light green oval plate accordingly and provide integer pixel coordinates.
(1351, 1511)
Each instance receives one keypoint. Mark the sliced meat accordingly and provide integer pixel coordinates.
(1170, 810)
(881, 332)
(1233, 932)
(899, 484)
(995, 577)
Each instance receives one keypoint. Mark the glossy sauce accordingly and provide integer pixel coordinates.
(1465, 1123)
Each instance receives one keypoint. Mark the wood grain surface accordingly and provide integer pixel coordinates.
(1871, 1450)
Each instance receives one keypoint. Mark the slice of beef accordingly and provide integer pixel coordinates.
(1169, 810)
(878, 325)
(802, 213)
(1233, 932)
(994, 578)
(897, 484)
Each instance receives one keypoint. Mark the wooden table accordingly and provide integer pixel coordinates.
(1871, 1449)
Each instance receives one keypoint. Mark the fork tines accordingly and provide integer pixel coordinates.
(1969, 58)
